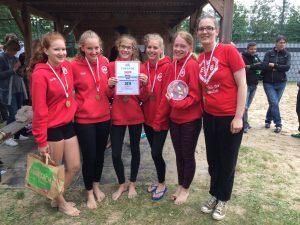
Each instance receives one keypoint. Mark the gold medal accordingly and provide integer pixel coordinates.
(152, 98)
(97, 97)
(68, 103)
(125, 98)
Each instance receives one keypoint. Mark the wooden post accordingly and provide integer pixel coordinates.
(227, 22)
(27, 31)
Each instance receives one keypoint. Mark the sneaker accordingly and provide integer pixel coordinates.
(11, 142)
(209, 205)
(246, 130)
(296, 135)
(22, 138)
(277, 130)
(220, 211)
(267, 125)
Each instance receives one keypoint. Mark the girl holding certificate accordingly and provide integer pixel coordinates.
(186, 114)
(158, 68)
(92, 118)
(223, 80)
(126, 111)
(53, 110)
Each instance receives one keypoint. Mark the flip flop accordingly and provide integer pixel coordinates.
(152, 188)
(161, 196)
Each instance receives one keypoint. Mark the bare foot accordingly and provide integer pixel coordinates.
(182, 197)
(132, 192)
(176, 193)
(122, 188)
(90, 200)
(68, 209)
(54, 203)
(98, 193)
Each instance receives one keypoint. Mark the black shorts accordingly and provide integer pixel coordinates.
(61, 133)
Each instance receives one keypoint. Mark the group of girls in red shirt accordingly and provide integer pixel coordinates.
(65, 123)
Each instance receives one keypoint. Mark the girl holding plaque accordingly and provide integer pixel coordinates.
(223, 80)
(92, 118)
(126, 111)
(53, 110)
(159, 68)
(186, 114)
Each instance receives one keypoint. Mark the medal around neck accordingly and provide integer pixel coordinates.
(68, 103)
(177, 90)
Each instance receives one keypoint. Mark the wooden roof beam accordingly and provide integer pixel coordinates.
(18, 5)
(17, 18)
(218, 5)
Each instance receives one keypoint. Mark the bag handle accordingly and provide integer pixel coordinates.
(47, 158)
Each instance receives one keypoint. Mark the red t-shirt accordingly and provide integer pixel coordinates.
(219, 87)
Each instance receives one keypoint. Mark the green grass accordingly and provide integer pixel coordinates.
(262, 195)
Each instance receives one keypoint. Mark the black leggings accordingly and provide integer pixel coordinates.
(92, 140)
(222, 148)
(117, 137)
(156, 141)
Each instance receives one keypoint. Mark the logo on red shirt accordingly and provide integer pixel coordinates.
(64, 70)
(104, 69)
(159, 77)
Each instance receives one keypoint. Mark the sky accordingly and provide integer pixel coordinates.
(278, 2)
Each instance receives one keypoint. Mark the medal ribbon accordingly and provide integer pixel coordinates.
(97, 83)
(148, 68)
(207, 69)
(176, 78)
(62, 84)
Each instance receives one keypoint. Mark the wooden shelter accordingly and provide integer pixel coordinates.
(141, 17)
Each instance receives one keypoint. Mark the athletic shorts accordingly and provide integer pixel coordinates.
(61, 133)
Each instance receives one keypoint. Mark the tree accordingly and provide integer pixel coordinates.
(40, 26)
(292, 26)
(263, 21)
(7, 24)
(240, 23)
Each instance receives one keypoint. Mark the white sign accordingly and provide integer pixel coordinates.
(127, 74)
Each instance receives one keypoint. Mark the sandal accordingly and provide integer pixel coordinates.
(152, 188)
(162, 193)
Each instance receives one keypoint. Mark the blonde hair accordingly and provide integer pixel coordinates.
(135, 54)
(84, 36)
(185, 36)
(156, 37)
(189, 39)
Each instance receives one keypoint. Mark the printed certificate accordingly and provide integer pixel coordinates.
(127, 74)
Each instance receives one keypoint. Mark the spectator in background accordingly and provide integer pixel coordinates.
(3, 108)
(253, 70)
(298, 109)
(13, 90)
(277, 62)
